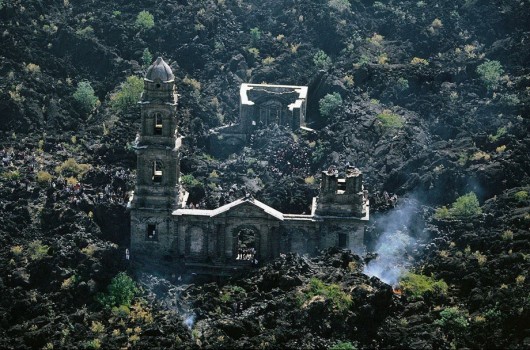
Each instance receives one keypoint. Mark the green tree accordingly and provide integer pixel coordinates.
(464, 206)
(329, 104)
(490, 72)
(145, 20)
(128, 95)
(255, 35)
(322, 60)
(453, 319)
(420, 285)
(85, 96)
(120, 292)
(147, 57)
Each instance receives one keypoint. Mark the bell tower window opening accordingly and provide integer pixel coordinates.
(157, 172)
(158, 124)
(151, 233)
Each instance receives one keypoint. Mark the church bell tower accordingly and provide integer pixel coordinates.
(157, 191)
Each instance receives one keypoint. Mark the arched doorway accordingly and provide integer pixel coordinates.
(246, 241)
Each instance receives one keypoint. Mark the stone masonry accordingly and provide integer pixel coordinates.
(238, 235)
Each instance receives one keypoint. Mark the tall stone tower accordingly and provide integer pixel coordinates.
(157, 191)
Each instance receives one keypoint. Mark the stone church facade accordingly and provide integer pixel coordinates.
(240, 234)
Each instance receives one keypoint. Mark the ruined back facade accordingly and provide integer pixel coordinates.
(240, 234)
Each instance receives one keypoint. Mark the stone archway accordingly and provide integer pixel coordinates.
(246, 243)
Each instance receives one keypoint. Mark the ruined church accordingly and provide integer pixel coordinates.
(246, 232)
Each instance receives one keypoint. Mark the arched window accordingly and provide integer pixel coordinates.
(158, 124)
(157, 171)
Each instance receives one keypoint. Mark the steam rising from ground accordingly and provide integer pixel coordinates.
(392, 246)
(169, 295)
(189, 321)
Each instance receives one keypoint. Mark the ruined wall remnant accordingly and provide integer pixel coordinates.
(261, 106)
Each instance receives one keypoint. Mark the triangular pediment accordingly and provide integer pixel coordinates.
(247, 208)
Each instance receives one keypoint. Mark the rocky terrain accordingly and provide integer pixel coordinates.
(424, 114)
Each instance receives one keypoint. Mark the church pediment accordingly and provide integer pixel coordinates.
(247, 208)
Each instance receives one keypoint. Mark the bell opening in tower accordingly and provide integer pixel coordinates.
(158, 124)
(157, 172)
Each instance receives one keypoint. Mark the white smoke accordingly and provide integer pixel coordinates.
(392, 246)
(189, 321)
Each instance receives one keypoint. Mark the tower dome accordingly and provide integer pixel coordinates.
(159, 71)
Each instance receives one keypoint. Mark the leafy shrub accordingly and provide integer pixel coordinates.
(254, 52)
(32, 68)
(97, 327)
(418, 61)
(453, 319)
(93, 344)
(332, 292)
(121, 291)
(329, 104)
(521, 196)
(402, 84)
(481, 258)
(70, 282)
(480, 155)
(44, 177)
(147, 57)
(255, 35)
(500, 132)
(128, 95)
(268, 60)
(509, 100)
(500, 149)
(343, 346)
(418, 285)
(490, 73)
(190, 181)
(390, 120)
(194, 83)
(145, 20)
(193, 186)
(84, 95)
(86, 32)
(11, 175)
(309, 180)
(322, 60)
(71, 167)
(37, 250)
(17, 250)
(464, 206)
(507, 235)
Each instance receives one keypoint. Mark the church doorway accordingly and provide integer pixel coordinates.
(246, 243)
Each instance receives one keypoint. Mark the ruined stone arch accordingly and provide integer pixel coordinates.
(244, 238)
